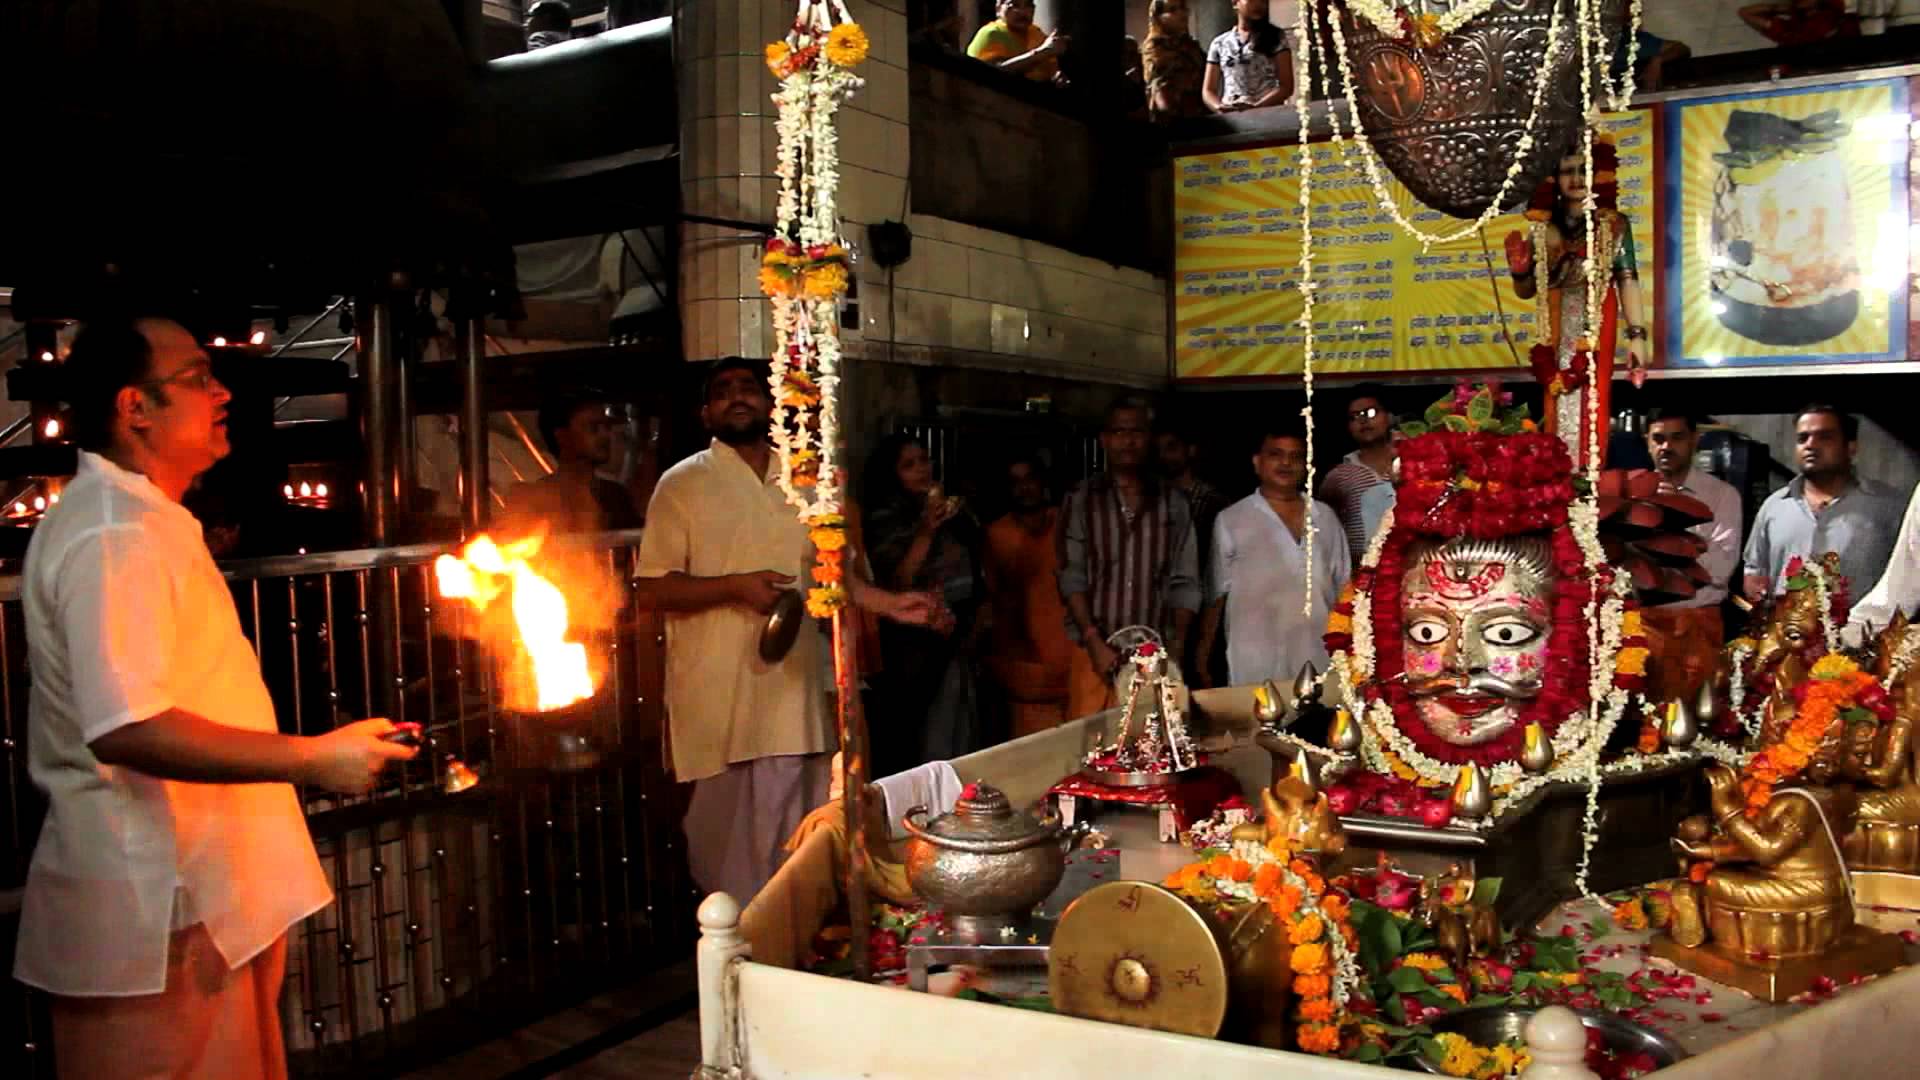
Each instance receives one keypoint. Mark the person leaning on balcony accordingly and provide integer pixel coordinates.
(1248, 66)
(720, 547)
(1011, 42)
(174, 855)
(1174, 64)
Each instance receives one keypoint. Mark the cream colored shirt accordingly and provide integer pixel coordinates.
(127, 617)
(711, 516)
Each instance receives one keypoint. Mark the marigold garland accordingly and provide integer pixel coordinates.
(805, 272)
(1315, 920)
(1837, 686)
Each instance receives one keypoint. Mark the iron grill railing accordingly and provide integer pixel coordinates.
(453, 914)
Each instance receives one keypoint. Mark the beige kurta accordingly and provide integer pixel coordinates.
(711, 516)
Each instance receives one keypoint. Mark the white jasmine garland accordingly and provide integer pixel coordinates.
(1542, 77)
(806, 211)
(1385, 16)
(1737, 690)
(1346, 967)
(1302, 68)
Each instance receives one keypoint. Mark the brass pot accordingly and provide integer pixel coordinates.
(985, 865)
(1448, 120)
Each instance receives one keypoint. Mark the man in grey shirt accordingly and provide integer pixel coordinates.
(1825, 508)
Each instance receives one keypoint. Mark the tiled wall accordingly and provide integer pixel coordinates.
(967, 297)
(979, 298)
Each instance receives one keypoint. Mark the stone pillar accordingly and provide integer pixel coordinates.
(728, 152)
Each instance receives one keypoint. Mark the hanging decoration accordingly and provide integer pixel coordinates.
(804, 271)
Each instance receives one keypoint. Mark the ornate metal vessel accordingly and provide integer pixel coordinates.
(985, 865)
(1448, 120)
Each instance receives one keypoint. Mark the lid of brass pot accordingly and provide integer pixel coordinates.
(983, 818)
(783, 626)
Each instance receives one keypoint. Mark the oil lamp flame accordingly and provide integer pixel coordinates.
(482, 573)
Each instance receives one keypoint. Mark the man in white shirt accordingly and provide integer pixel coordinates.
(1686, 635)
(721, 545)
(1258, 578)
(1899, 588)
(174, 855)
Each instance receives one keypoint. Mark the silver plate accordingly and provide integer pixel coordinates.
(1138, 779)
(1500, 1023)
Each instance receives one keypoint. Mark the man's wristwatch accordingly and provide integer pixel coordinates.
(1636, 333)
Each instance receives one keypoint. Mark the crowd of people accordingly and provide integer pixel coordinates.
(1171, 75)
(998, 628)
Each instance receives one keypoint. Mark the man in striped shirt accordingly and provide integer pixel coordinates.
(1128, 557)
(1360, 488)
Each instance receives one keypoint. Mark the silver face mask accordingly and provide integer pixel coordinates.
(1478, 615)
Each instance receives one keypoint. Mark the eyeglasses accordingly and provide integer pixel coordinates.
(1367, 413)
(193, 377)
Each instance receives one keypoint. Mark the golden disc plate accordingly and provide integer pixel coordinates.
(1130, 952)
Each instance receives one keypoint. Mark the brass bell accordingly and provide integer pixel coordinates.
(1307, 769)
(1306, 685)
(1537, 755)
(1344, 736)
(1268, 706)
(1706, 707)
(1472, 794)
(1681, 727)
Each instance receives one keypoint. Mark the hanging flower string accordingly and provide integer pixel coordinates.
(1303, 68)
(804, 272)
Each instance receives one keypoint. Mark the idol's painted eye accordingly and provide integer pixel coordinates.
(1428, 631)
(1509, 633)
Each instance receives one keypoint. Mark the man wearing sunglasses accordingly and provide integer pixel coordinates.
(1360, 488)
(175, 855)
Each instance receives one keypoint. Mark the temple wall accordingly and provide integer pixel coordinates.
(969, 298)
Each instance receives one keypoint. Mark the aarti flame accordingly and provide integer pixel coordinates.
(482, 572)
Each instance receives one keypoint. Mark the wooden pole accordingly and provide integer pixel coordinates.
(853, 755)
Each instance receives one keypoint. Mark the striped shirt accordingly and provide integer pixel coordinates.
(1361, 497)
(1134, 571)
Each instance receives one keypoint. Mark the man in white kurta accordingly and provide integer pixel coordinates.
(721, 545)
(1258, 579)
(1898, 591)
(174, 856)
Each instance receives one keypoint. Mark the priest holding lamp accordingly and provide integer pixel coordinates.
(175, 855)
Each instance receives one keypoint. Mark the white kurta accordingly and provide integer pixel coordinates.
(128, 617)
(1261, 570)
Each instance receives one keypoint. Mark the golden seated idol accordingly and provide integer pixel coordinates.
(1766, 902)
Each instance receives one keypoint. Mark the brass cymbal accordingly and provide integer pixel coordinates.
(1130, 952)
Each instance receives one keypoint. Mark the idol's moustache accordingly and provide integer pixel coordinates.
(1479, 682)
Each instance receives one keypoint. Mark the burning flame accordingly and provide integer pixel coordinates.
(482, 572)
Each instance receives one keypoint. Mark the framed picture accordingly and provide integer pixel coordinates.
(1787, 225)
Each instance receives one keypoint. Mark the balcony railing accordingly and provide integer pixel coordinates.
(454, 915)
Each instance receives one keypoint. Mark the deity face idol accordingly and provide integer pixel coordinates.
(1478, 615)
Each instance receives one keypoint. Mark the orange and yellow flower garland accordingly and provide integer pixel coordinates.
(1316, 919)
(1837, 685)
(804, 271)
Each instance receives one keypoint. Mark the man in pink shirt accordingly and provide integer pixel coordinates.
(175, 855)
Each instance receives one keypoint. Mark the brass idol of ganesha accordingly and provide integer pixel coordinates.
(1886, 833)
(1772, 910)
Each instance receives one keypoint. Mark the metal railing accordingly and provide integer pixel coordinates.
(454, 915)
